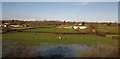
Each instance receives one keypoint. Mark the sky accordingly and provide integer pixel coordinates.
(60, 0)
(68, 11)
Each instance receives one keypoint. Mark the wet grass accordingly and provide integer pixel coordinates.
(18, 51)
(101, 51)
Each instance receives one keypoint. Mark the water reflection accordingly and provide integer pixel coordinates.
(44, 50)
(71, 50)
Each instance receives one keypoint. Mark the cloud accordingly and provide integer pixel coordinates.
(84, 3)
(26, 3)
(81, 3)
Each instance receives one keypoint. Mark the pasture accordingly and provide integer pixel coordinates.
(106, 29)
(25, 38)
(52, 30)
(35, 38)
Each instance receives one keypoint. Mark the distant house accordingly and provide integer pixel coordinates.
(10, 25)
(15, 25)
(79, 27)
(6, 25)
(76, 26)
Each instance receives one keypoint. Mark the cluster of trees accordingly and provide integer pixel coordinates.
(13, 22)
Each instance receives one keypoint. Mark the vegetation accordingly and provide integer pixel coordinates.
(108, 29)
(38, 32)
(101, 51)
(34, 38)
(6, 29)
(52, 30)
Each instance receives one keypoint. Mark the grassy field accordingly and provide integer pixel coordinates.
(36, 38)
(33, 38)
(39, 37)
(108, 29)
(52, 30)
(101, 29)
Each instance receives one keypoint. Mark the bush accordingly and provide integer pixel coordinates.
(100, 33)
(115, 37)
(4, 30)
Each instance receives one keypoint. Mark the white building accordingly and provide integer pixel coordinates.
(79, 27)
(4, 25)
(15, 25)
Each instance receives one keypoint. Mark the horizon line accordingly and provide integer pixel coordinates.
(57, 20)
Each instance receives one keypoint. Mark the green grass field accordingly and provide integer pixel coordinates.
(108, 29)
(52, 30)
(34, 38)
(102, 28)
(39, 37)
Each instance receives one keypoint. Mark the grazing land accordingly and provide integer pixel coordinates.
(31, 38)
(35, 35)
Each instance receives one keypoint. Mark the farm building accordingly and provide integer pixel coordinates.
(80, 26)
(77, 26)
(15, 25)
(12, 25)
(6, 25)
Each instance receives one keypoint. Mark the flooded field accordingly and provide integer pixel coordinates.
(49, 45)
(44, 50)
(71, 50)
(59, 29)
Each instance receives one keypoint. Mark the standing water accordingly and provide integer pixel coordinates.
(71, 50)
(45, 50)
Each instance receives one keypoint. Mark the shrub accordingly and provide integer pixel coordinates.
(115, 37)
(6, 29)
(100, 33)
